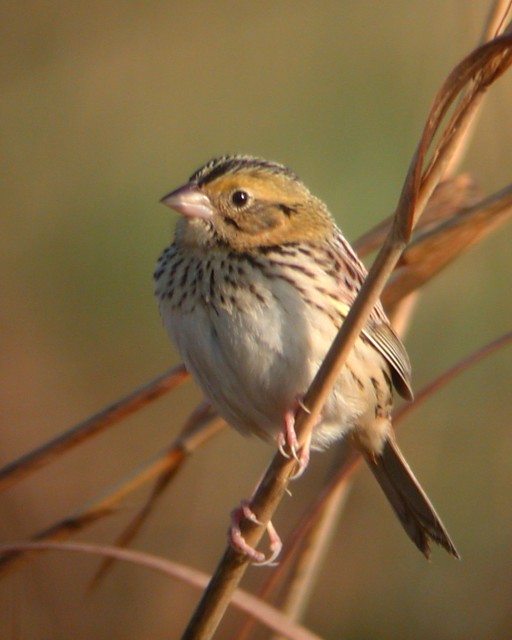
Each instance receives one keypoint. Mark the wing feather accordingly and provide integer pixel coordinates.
(386, 341)
(378, 330)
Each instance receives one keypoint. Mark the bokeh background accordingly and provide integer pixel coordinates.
(105, 107)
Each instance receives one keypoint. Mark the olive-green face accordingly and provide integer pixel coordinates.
(248, 203)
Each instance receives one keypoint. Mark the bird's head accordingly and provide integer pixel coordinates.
(243, 203)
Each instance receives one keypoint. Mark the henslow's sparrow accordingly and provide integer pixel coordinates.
(252, 292)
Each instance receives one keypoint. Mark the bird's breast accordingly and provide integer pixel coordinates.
(252, 329)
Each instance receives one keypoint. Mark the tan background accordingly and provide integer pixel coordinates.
(106, 106)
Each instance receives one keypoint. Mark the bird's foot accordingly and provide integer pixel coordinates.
(287, 441)
(239, 543)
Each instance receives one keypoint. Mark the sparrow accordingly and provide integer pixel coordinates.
(252, 292)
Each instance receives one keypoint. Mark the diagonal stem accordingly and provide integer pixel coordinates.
(40, 457)
(482, 67)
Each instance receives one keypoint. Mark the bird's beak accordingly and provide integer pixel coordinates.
(190, 202)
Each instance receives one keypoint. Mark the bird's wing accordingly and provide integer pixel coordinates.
(383, 337)
(378, 331)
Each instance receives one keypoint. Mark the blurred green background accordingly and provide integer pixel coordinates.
(105, 107)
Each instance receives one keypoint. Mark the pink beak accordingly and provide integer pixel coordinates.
(190, 202)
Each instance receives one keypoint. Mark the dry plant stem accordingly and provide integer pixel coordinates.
(498, 14)
(493, 26)
(401, 315)
(479, 70)
(167, 462)
(31, 462)
(345, 468)
(308, 566)
(348, 460)
(452, 373)
(202, 424)
(344, 462)
(218, 594)
(228, 572)
(244, 601)
(448, 199)
(488, 62)
(432, 250)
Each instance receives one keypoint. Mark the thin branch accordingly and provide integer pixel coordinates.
(164, 464)
(267, 615)
(494, 25)
(344, 463)
(347, 461)
(200, 427)
(449, 198)
(452, 373)
(435, 248)
(499, 13)
(40, 457)
(310, 562)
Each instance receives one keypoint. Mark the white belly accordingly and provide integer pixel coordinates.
(253, 360)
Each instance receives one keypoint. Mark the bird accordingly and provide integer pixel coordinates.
(252, 291)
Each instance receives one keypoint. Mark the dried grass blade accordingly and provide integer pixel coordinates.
(270, 617)
(43, 455)
(164, 464)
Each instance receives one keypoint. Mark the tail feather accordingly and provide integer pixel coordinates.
(409, 501)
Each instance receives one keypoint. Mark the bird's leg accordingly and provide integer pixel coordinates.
(289, 447)
(238, 541)
(288, 443)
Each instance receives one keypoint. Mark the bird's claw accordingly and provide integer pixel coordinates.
(238, 541)
(288, 443)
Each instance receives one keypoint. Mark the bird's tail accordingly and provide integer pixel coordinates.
(409, 501)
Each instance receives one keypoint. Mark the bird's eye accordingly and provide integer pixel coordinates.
(240, 198)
